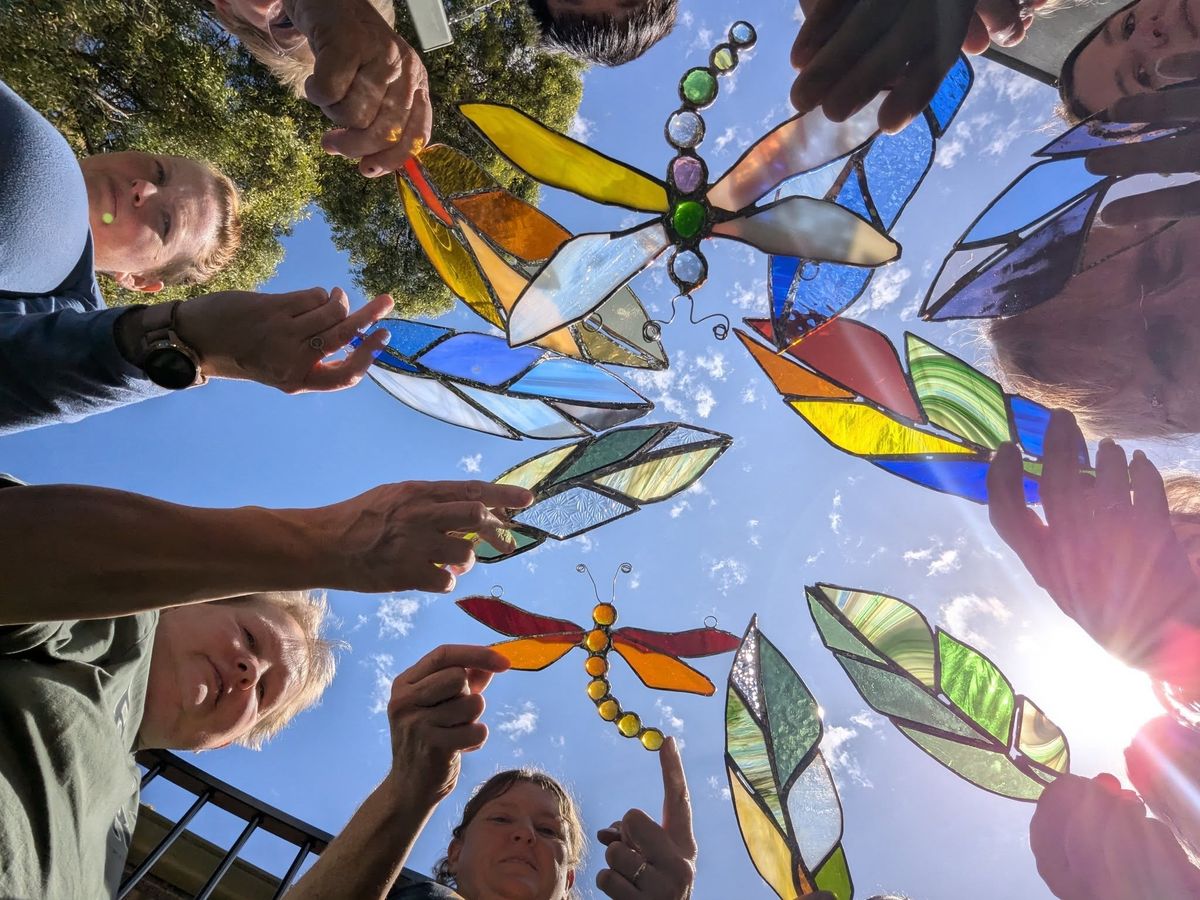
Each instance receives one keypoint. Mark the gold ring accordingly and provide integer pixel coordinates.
(394, 135)
(638, 873)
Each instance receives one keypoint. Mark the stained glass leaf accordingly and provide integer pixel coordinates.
(561, 162)
(784, 797)
(1038, 192)
(788, 378)
(585, 272)
(956, 396)
(515, 226)
(696, 642)
(962, 477)
(959, 708)
(814, 229)
(513, 621)
(1093, 134)
(864, 431)
(532, 654)
(578, 487)
(429, 396)
(661, 671)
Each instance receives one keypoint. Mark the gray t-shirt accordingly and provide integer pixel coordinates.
(71, 699)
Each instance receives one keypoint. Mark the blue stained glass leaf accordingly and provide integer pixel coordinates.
(389, 360)
(1025, 277)
(782, 272)
(1094, 133)
(684, 437)
(1031, 420)
(530, 417)
(961, 477)
(895, 165)
(831, 289)
(484, 358)
(1037, 193)
(950, 95)
(408, 338)
(569, 379)
(572, 512)
(851, 194)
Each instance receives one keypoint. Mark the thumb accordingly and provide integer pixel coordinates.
(677, 805)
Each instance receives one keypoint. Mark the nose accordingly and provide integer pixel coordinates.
(248, 672)
(523, 833)
(143, 191)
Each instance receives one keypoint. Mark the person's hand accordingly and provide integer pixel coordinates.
(1092, 841)
(1106, 553)
(646, 859)
(1172, 105)
(848, 51)
(409, 536)
(282, 340)
(434, 716)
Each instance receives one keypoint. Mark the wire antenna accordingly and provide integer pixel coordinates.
(623, 569)
(583, 569)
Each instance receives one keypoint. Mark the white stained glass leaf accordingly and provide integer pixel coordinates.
(531, 417)
(683, 436)
(431, 397)
(579, 277)
(815, 811)
(799, 144)
(572, 512)
(744, 672)
(813, 229)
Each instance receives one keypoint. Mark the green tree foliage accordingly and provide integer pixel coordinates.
(160, 75)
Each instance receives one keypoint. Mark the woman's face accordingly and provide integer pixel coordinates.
(514, 849)
(1122, 57)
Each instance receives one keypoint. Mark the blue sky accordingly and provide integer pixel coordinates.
(781, 509)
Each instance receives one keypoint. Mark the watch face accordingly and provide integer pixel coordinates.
(169, 368)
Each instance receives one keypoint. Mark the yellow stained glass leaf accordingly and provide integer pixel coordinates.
(864, 431)
(453, 173)
(789, 378)
(1040, 739)
(659, 478)
(558, 161)
(891, 627)
(450, 258)
(768, 850)
(530, 654)
(530, 472)
(514, 225)
(602, 348)
(662, 672)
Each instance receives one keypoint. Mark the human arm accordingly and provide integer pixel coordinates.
(1106, 552)
(71, 552)
(848, 51)
(1169, 106)
(1092, 841)
(434, 716)
(648, 859)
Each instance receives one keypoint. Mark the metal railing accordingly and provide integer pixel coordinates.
(257, 815)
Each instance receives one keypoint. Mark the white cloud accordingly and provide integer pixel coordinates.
(754, 538)
(686, 19)
(518, 723)
(471, 464)
(753, 298)
(962, 616)
(714, 365)
(717, 789)
(385, 667)
(911, 556)
(950, 152)
(842, 763)
(705, 401)
(835, 517)
(738, 135)
(750, 391)
(581, 128)
(728, 573)
(669, 720)
(945, 562)
(395, 615)
(885, 290)
(867, 719)
(680, 508)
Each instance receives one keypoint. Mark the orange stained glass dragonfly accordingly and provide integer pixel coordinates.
(539, 641)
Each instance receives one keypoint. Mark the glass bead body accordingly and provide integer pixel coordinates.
(598, 643)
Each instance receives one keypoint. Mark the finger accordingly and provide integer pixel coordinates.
(819, 25)
(462, 515)
(1180, 65)
(461, 738)
(878, 69)
(650, 838)
(617, 886)
(1169, 154)
(499, 538)
(414, 137)
(916, 90)
(854, 37)
(609, 834)
(1017, 524)
(345, 373)
(478, 680)
(320, 319)
(437, 687)
(1112, 480)
(449, 656)
(332, 76)
(300, 302)
(625, 861)
(1060, 482)
(677, 805)
(338, 336)
(493, 496)
(456, 712)
(977, 39)
(452, 551)
(366, 96)
(1150, 506)
(1167, 204)
(1173, 106)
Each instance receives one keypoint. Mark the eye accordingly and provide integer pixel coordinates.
(1128, 25)
(262, 691)
(250, 642)
(503, 820)
(162, 172)
(550, 832)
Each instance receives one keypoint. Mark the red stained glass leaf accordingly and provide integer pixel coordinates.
(428, 196)
(660, 671)
(516, 622)
(696, 642)
(857, 357)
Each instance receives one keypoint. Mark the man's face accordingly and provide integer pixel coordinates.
(1122, 58)
(216, 670)
(147, 212)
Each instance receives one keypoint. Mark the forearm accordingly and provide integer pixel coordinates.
(72, 552)
(366, 858)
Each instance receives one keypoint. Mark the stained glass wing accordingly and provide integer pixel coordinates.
(943, 694)
(561, 162)
(592, 482)
(956, 396)
(661, 671)
(585, 272)
(513, 621)
(814, 229)
(783, 795)
(693, 643)
(532, 654)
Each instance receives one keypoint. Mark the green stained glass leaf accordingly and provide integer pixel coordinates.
(530, 472)
(976, 686)
(990, 770)
(834, 876)
(956, 396)
(662, 476)
(836, 635)
(896, 696)
(783, 794)
(607, 449)
(893, 628)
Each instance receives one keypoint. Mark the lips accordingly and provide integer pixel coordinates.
(520, 859)
(219, 692)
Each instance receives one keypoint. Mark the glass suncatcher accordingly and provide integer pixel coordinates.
(587, 270)
(857, 396)
(584, 485)
(876, 181)
(484, 243)
(539, 641)
(783, 794)
(944, 696)
(477, 381)
(1032, 239)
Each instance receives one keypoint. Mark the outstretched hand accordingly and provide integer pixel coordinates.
(1106, 553)
(647, 859)
(848, 51)
(1167, 106)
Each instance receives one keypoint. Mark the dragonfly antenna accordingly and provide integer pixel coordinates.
(623, 569)
(583, 569)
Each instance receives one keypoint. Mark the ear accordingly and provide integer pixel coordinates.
(570, 879)
(452, 852)
(133, 282)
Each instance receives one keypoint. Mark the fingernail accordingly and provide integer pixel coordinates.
(385, 335)
(1139, 455)
(1107, 442)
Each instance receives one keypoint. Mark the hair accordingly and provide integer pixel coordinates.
(605, 39)
(293, 68)
(499, 784)
(224, 245)
(309, 610)
(1070, 106)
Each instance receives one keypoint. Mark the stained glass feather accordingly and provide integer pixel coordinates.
(783, 794)
(944, 695)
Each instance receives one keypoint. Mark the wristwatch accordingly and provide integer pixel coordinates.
(165, 358)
